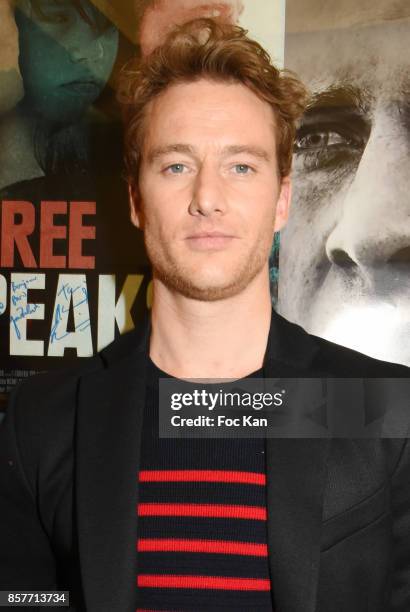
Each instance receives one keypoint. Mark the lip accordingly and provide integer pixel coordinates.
(206, 241)
(210, 235)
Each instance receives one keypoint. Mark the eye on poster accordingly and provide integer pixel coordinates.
(344, 263)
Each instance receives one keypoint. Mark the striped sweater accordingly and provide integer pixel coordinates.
(202, 542)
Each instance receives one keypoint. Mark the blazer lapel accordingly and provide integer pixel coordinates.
(296, 475)
(109, 425)
(296, 471)
(290, 350)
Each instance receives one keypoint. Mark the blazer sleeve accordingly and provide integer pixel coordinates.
(26, 557)
(400, 601)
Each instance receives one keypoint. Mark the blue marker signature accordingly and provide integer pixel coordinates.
(19, 290)
(24, 284)
(67, 292)
(22, 314)
(18, 293)
(15, 299)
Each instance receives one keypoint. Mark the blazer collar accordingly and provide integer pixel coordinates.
(289, 344)
(108, 441)
(135, 341)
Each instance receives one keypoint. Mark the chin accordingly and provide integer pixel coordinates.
(205, 287)
(207, 292)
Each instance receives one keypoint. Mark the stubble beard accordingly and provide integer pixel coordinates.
(180, 279)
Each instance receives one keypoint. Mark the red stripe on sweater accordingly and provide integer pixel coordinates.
(206, 510)
(202, 546)
(203, 582)
(255, 478)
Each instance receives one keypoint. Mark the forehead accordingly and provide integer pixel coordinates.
(209, 111)
(370, 57)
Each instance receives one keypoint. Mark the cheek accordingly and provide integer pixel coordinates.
(159, 220)
(315, 205)
(43, 62)
(317, 187)
(303, 233)
(268, 203)
(259, 223)
(163, 198)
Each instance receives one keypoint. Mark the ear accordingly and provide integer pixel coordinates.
(283, 203)
(135, 208)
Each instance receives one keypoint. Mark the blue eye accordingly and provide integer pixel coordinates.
(242, 169)
(176, 168)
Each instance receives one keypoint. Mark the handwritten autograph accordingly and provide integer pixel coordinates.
(67, 292)
(19, 292)
(22, 313)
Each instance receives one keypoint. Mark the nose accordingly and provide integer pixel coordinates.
(90, 52)
(373, 219)
(208, 194)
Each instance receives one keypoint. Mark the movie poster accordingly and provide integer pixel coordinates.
(74, 273)
(344, 263)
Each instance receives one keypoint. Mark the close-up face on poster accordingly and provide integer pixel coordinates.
(344, 263)
(74, 272)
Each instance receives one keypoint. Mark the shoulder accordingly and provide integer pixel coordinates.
(41, 416)
(40, 422)
(331, 359)
(343, 361)
(51, 396)
(311, 355)
(44, 394)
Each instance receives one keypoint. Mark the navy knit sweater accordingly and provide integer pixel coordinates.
(202, 542)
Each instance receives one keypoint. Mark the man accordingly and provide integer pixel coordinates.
(92, 500)
(345, 253)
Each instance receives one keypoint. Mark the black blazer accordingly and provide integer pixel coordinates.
(338, 509)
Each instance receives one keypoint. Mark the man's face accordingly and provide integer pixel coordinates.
(209, 165)
(345, 254)
(160, 17)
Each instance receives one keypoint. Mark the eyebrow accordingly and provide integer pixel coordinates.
(255, 151)
(341, 96)
(258, 152)
(158, 152)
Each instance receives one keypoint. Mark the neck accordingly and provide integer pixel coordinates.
(201, 339)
